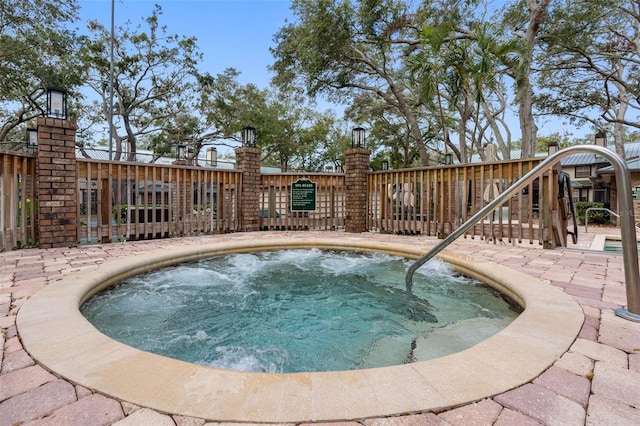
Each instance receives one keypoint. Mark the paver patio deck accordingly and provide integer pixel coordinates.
(596, 382)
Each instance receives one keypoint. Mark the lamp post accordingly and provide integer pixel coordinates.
(385, 164)
(111, 72)
(32, 137)
(357, 137)
(181, 151)
(249, 136)
(56, 103)
(448, 159)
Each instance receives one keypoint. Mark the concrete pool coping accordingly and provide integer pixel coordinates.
(600, 240)
(54, 332)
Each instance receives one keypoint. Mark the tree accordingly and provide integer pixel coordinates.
(461, 69)
(592, 58)
(437, 65)
(392, 137)
(154, 79)
(36, 51)
(526, 18)
(291, 133)
(342, 49)
(219, 108)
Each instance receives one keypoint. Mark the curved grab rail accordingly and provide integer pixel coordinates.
(629, 242)
(586, 216)
(564, 184)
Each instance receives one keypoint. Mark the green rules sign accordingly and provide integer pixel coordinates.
(303, 195)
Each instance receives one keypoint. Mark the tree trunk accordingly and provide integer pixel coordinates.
(527, 124)
(537, 16)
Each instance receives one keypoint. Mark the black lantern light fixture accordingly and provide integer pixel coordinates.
(181, 152)
(357, 137)
(552, 147)
(56, 103)
(32, 137)
(249, 136)
(448, 159)
(385, 164)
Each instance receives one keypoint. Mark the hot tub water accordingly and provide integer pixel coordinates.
(299, 310)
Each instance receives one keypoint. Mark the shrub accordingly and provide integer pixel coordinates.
(597, 216)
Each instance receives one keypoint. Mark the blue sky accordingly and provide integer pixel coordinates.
(231, 33)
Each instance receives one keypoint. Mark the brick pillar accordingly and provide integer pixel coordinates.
(357, 165)
(57, 183)
(248, 162)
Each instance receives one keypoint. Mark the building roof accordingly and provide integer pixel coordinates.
(633, 165)
(631, 150)
(145, 156)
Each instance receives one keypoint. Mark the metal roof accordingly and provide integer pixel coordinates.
(633, 165)
(587, 159)
(631, 149)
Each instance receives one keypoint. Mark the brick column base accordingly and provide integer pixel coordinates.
(248, 162)
(357, 165)
(57, 183)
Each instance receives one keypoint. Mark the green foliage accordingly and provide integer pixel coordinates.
(154, 78)
(595, 216)
(36, 50)
(27, 212)
(346, 50)
(120, 217)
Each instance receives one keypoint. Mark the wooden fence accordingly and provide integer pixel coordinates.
(120, 201)
(276, 198)
(435, 201)
(18, 204)
(131, 201)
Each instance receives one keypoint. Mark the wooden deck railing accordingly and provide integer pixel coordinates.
(434, 201)
(276, 209)
(130, 201)
(18, 204)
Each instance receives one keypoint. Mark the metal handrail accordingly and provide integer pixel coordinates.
(627, 222)
(586, 216)
(564, 182)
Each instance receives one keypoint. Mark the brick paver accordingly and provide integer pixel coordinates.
(145, 416)
(20, 381)
(36, 403)
(94, 410)
(600, 352)
(509, 417)
(576, 363)
(615, 383)
(605, 412)
(15, 361)
(601, 370)
(543, 405)
(566, 383)
(428, 419)
(485, 412)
